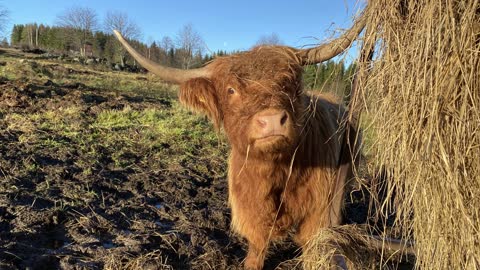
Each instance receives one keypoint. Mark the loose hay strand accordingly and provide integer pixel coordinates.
(425, 84)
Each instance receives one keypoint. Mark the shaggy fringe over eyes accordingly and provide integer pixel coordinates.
(272, 64)
(199, 95)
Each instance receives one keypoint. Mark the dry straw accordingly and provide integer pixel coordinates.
(424, 98)
(351, 247)
(422, 101)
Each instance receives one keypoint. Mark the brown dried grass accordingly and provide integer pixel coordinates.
(424, 93)
(150, 261)
(352, 247)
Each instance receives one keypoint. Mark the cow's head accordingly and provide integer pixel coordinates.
(254, 95)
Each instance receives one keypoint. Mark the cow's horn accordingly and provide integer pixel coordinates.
(173, 75)
(335, 47)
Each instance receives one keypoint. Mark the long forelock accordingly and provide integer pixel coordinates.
(267, 65)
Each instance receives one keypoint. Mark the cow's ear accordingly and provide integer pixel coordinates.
(199, 95)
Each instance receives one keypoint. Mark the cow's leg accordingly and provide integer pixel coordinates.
(257, 250)
(258, 232)
(250, 223)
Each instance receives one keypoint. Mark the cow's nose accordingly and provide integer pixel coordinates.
(272, 120)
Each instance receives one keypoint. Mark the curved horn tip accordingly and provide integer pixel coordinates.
(117, 33)
(329, 50)
(174, 75)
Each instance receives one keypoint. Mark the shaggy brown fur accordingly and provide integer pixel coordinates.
(280, 184)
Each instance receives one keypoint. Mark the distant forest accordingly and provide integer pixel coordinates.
(98, 44)
(78, 34)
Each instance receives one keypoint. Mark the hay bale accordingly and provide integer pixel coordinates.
(352, 247)
(423, 98)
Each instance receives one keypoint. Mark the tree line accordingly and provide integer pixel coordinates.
(330, 76)
(102, 45)
(78, 31)
(60, 39)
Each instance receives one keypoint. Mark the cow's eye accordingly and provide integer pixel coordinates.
(231, 91)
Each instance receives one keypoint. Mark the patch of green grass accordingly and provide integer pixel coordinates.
(7, 73)
(122, 82)
(17, 69)
(30, 166)
(153, 132)
(63, 122)
(19, 121)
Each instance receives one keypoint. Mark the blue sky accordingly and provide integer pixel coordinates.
(225, 25)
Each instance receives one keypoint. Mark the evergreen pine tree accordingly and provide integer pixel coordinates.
(17, 33)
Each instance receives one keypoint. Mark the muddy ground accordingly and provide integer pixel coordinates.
(74, 196)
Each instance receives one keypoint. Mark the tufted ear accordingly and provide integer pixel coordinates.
(199, 95)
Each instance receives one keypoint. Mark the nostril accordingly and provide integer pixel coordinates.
(284, 118)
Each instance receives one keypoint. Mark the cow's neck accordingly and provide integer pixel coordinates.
(270, 173)
(319, 137)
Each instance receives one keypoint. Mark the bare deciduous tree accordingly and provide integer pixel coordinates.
(167, 47)
(4, 13)
(166, 43)
(115, 20)
(82, 19)
(271, 39)
(189, 43)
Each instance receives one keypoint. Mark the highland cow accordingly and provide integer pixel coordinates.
(285, 142)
